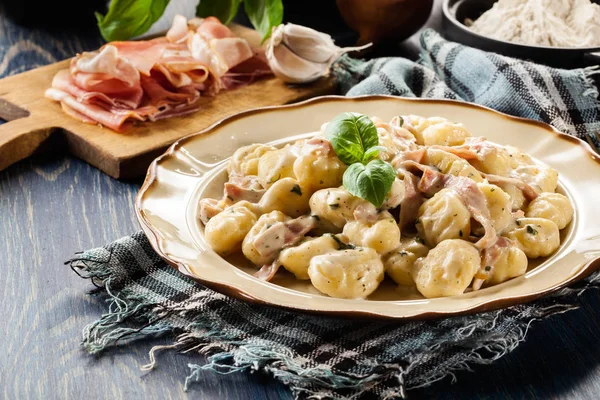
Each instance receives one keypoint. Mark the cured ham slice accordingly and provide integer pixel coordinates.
(128, 81)
(432, 181)
(91, 112)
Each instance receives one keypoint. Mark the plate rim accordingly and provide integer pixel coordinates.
(150, 179)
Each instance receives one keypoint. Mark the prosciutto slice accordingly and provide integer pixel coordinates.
(472, 197)
(147, 80)
(283, 234)
(488, 260)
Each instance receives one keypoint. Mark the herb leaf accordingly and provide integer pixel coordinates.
(351, 135)
(224, 10)
(371, 182)
(126, 19)
(264, 15)
(372, 153)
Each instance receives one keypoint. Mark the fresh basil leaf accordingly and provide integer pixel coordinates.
(264, 15)
(351, 135)
(224, 10)
(371, 182)
(129, 18)
(372, 153)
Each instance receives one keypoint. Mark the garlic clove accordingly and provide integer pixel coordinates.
(309, 44)
(292, 69)
(298, 54)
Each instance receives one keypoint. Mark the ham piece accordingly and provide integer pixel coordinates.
(148, 80)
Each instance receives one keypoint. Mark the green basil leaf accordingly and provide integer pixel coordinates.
(264, 15)
(224, 10)
(351, 135)
(371, 182)
(372, 153)
(129, 18)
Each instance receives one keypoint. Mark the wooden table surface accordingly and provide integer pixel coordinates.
(51, 207)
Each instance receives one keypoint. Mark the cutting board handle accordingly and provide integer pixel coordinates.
(20, 138)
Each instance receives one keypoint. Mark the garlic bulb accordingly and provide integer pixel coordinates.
(298, 54)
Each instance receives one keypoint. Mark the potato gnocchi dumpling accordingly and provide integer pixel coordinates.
(537, 237)
(448, 268)
(442, 217)
(399, 264)
(225, 231)
(382, 235)
(499, 204)
(316, 170)
(335, 205)
(277, 164)
(262, 224)
(553, 206)
(448, 163)
(510, 263)
(347, 274)
(541, 177)
(244, 161)
(416, 124)
(445, 134)
(286, 195)
(297, 259)
(461, 211)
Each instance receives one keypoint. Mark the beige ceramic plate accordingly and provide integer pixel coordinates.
(193, 168)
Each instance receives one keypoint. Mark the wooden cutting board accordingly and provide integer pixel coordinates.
(38, 124)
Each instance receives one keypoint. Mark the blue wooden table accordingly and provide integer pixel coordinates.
(54, 206)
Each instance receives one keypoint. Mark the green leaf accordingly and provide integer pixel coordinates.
(371, 182)
(351, 135)
(372, 153)
(264, 15)
(129, 18)
(224, 10)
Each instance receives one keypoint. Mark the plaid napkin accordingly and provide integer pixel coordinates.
(325, 357)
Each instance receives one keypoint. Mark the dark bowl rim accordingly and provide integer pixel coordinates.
(450, 17)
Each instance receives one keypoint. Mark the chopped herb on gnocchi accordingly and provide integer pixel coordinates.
(417, 199)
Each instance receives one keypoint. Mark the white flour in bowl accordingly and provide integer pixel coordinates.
(555, 23)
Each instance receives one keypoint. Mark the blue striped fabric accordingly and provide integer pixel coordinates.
(566, 99)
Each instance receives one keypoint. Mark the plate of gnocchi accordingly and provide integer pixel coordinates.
(377, 206)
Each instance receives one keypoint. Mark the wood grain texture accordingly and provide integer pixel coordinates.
(51, 207)
(128, 154)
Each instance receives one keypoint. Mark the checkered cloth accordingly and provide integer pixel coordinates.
(324, 357)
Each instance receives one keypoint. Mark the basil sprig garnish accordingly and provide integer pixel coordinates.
(355, 141)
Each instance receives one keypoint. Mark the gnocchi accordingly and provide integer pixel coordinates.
(347, 274)
(444, 216)
(553, 206)
(537, 237)
(448, 268)
(458, 212)
(399, 264)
